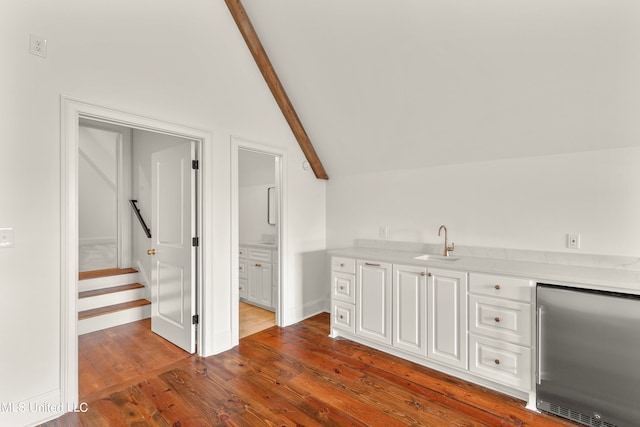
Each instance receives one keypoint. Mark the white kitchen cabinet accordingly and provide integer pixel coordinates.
(501, 329)
(409, 312)
(373, 301)
(447, 308)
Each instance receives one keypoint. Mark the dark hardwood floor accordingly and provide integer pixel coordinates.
(294, 376)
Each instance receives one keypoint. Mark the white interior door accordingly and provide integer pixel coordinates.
(173, 226)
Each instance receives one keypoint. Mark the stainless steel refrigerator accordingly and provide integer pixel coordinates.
(588, 364)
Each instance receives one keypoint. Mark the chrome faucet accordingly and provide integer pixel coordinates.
(447, 248)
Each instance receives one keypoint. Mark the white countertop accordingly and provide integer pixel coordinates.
(612, 279)
(265, 245)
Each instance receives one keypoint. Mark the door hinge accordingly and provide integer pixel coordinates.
(195, 319)
(195, 164)
(195, 241)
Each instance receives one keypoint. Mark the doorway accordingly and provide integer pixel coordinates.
(258, 242)
(257, 234)
(75, 112)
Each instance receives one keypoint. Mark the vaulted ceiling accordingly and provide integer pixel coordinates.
(399, 84)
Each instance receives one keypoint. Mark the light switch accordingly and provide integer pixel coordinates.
(6, 237)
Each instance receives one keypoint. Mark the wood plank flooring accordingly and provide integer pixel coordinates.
(294, 376)
(254, 319)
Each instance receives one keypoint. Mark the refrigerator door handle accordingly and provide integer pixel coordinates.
(539, 345)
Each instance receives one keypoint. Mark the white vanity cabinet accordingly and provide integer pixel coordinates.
(257, 276)
(373, 301)
(447, 308)
(501, 328)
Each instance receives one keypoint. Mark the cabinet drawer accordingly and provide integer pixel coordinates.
(242, 252)
(502, 362)
(343, 265)
(259, 255)
(242, 288)
(242, 265)
(501, 286)
(344, 317)
(344, 287)
(502, 319)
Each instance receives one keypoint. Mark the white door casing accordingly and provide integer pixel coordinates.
(173, 227)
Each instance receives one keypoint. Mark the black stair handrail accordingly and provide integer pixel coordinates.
(146, 229)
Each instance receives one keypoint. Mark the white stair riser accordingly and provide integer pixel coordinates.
(110, 320)
(107, 282)
(110, 299)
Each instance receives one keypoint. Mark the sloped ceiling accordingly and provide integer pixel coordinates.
(399, 84)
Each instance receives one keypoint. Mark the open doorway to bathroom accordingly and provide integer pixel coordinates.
(259, 253)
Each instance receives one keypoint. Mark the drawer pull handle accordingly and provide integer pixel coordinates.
(342, 288)
(341, 316)
(497, 320)
(258, 265)
(342, 264)
(422, 273)
(497, 361)
(372, 264)
(497, 287)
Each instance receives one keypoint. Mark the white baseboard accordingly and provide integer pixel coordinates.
(310, 309)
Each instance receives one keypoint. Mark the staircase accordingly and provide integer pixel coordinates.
(108, 298)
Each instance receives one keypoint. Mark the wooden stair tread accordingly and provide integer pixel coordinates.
(83, 275)
(112, 308)
(111, 290)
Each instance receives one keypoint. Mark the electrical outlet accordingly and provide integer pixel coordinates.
(573, 241)
(6, 237)
(38, 45)
(383, 231)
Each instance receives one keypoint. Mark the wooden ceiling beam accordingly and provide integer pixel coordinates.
(264, 64)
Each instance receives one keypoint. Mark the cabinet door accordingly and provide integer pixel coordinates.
(266, 288)
(447, 336)
(410, 309)
(254, 282)
(373, 306)
(259, 285)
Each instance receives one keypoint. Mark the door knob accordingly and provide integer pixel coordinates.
(151, 252)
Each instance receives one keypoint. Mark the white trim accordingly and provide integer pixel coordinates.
(282, 316)
(71, 112)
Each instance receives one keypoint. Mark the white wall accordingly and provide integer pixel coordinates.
(526, 203)
(147, 59)
(256, 173)
(97, 185)
(252, 207)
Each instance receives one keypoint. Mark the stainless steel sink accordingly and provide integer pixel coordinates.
(428, 257)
